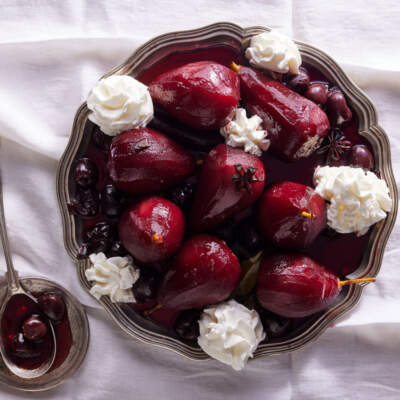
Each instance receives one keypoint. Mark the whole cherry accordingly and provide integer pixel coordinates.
(361, 157)
(318, 93)
(299, 83)
(85, 172)
(338, 111)
(52, 305)
(34, 328)
(187, 324)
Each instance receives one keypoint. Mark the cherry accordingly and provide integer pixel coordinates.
(299, 83)
(275, 326)
(338, 111)
(111, 201)
(52, 305)
(182, 195)
(34, 328)
(361, 157)
(85, 172)
(99, 239)
(187, 324)
(318, 93)
(248, 238)
(117, 249)
(23, 349)
(86, 203)
(145, 288)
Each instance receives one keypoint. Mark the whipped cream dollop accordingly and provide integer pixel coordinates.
(245, 132)
(230, 333)
(119, 103)
(113, 277)
(357, 198)
(275, 52)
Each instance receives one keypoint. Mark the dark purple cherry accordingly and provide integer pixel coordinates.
(98, 239)
(52, 305)
(101, 140)
(111, 201)
(34, 328)
(299, 83)
(85, 172)
(187, 325)
(275, 326)
(361, 157)
(117, 249)
(182, 195)
(318, 93)
(337, 109)
(86, 203)
(23, 349)
(145, 288)
(248, 238)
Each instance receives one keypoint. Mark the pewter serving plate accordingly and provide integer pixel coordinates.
(233, 36)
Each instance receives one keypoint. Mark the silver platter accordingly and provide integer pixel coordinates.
(233, 36)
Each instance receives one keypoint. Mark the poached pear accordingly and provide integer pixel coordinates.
(201, 94)
(291, 215)
(296, 126)
(145, 161)
(295, 286)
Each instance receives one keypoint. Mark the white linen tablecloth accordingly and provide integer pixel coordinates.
(51, 54)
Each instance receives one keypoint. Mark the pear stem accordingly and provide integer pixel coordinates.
(235, 67)
(307, 214)
(350, 281)
(151, 310)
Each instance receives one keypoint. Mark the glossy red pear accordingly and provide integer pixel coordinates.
(295, 286)
(147, 161)
(152, 229)
(291, 215)
(204, 272)
(230, 181)
(200, 94)
(296, 126)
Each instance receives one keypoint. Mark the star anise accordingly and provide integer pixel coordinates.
(335, 145)
(244, 177)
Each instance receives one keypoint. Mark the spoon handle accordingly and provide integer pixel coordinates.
(13, 282)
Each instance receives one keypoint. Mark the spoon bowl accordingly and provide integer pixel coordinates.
(11, 365)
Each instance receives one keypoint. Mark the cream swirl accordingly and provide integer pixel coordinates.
(246, 132)
(113, 277)
(230, 333)
(357, 198)
(119, 103)
(275, 52)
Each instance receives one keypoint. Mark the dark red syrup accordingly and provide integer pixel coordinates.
(341, 253)
(33, 354)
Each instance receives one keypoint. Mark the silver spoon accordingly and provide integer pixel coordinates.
(14, 288)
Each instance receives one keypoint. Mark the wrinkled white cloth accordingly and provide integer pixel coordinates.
(51, 55)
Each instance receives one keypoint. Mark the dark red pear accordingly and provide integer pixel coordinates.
(230, 181)
(200, 94)
(295, 286)
(147, 161)
(152, 229)
(291, 215)
(296, 126)
(204, 272)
